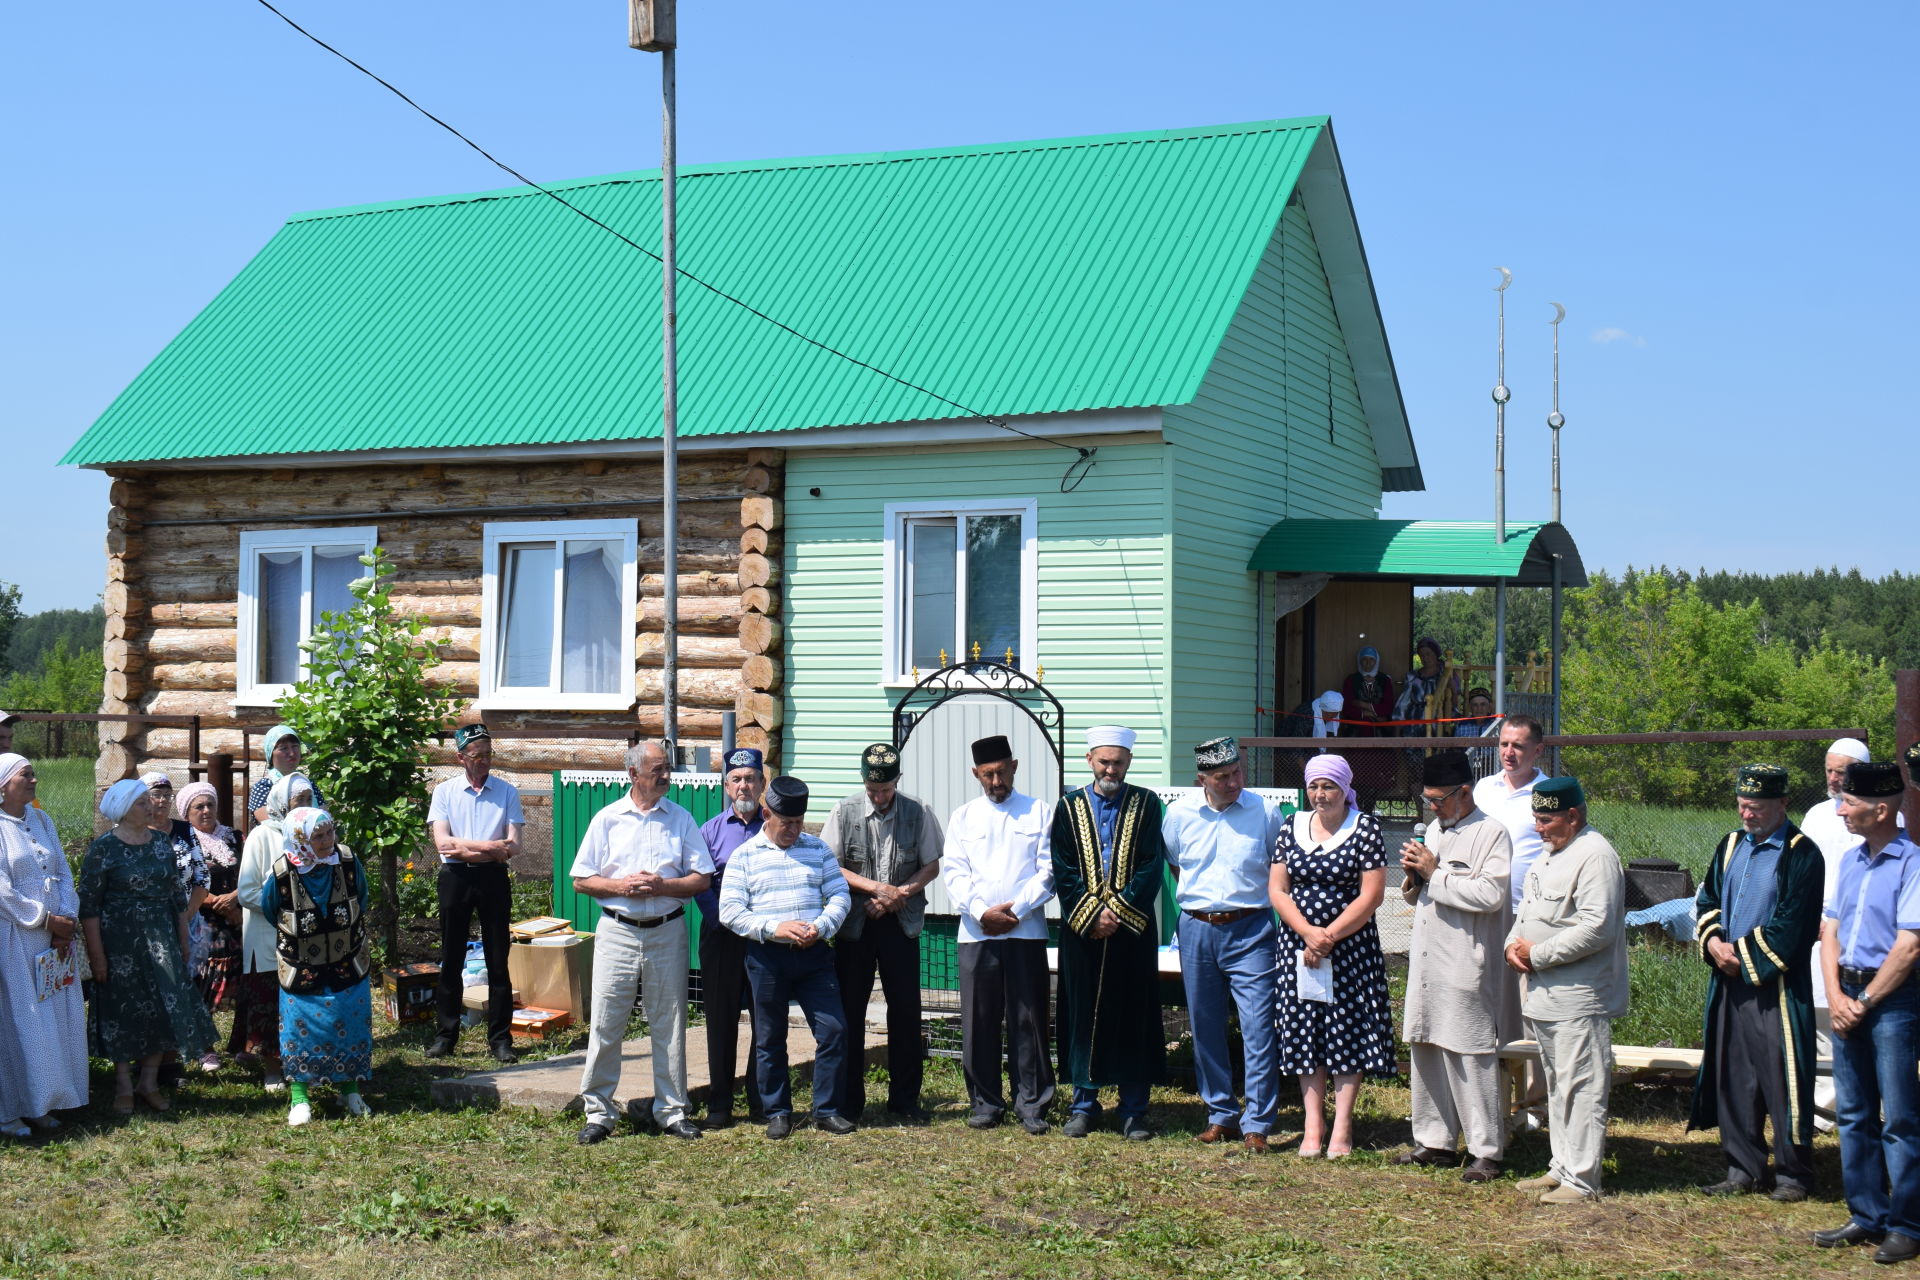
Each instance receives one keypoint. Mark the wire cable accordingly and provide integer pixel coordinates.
(1085, 455)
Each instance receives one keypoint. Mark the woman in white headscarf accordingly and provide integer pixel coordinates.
(134, 915)
(1326, 713)
(259, 956)
(43, 1022)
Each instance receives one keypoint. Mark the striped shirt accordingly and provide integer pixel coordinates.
(766, 886)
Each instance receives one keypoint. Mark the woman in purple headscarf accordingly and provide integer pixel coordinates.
(1328, 878)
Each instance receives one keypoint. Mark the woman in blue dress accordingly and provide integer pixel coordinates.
(1328, 878)
(316, 898)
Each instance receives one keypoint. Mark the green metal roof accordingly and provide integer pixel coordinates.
(1020, 278)
(1428, 552)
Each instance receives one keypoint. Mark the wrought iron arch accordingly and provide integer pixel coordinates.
(995, 680)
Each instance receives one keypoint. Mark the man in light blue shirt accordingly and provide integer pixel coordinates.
(1219, 846)
(1870, 937)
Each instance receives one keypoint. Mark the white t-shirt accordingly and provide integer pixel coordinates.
(1513, 810)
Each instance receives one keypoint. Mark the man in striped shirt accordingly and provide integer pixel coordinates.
(785, 895)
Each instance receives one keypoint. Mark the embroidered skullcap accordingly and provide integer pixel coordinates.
(1762, 782)
(469, 733)
(992, 750)
(301, 826)
(1852, 749)
(120, 797)
(188, 794)
(10, 764)
(1110, 735)
(1556, 795)
(1449, 768)
(157, 778)
(787, 797)
(1336, 770)
(879, 763)
(746, 758)
(1216, 753)
(273, 736)
(1872, 780)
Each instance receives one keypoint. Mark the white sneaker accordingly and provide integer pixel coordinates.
(298, 1114)
(357, 1106)
(274, 1082)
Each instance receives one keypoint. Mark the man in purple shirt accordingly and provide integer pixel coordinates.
(723, 953)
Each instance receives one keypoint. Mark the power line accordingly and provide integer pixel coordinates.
(1086, 455)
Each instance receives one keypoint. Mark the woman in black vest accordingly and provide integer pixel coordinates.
(317, 900)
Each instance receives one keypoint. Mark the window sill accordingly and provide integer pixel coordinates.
(533, 700)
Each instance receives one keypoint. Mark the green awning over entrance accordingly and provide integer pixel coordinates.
(1439, 553)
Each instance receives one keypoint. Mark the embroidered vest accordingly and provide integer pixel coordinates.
(319, 950)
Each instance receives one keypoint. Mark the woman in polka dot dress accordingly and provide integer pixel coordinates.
(1329, 876)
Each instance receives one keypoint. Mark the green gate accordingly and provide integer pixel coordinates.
(577, 796)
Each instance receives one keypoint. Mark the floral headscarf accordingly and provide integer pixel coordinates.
(301, 826)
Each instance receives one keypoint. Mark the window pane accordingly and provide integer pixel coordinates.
(590, 627)
(277, 586)
(993, 586)
(526, 625)
(931, 569)
(334, 569)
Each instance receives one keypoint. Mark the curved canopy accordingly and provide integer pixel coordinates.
(1442, 553)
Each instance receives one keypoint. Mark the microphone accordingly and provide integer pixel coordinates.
(1419, 837)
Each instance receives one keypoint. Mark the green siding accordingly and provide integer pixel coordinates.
(1102, 571)
(1253, 448)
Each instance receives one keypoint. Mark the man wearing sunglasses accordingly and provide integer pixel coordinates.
(1460, 1002)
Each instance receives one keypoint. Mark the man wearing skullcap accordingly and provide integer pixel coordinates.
(1569, 940)
(1460, 999)
(786, 896)
(1758, 911)
(998, 870)
(723, 953)
(476, 821)
(1219, 846)
(889, 848)
(1869, 938)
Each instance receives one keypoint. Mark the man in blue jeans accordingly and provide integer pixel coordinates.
(1868, 941)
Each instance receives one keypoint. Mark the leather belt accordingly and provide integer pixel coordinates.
(1857, 977)
(652, 922)
(1225, 917)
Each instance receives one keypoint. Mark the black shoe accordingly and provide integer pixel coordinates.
(593, 1133)
(1898, 1248)
(719, 1120)
(1852, 1233)
(779, 1127)
(1481, 1170)
(503, 1054)
(839, 1126)
(1078, 1125)
(680, 1129)
(442, 1047)
(983, 1120)
(1729, 1187)
(1429, 1158)
(1788, 1193)
(1034, 1125)
(1134, 1129)
(915, 1115)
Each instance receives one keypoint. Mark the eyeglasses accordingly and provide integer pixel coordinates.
(1434, 802)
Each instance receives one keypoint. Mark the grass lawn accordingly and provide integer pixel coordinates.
(221, 1187)
(66, 793)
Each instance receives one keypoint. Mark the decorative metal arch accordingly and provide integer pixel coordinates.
(994, 679)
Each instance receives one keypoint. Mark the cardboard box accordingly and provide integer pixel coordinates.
(540, 1024)
(408, 991)
(476, 997)
(555, 976)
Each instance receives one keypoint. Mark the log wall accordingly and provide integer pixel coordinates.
(172, 592)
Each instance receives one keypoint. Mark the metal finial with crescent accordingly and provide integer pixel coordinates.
(1559, 313)
(1506, 278)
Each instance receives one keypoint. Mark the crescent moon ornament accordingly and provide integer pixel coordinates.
(1506, 278)
(1559, 313)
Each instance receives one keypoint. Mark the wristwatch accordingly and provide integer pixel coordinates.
(1868, 1000)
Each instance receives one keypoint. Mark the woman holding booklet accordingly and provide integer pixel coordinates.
(43, 1026)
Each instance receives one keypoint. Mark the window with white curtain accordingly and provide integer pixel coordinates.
(289, 578)
(557, 621)
(959, 574)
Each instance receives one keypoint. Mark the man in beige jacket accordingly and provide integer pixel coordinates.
(1460, 999)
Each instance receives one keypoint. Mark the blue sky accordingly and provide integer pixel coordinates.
(1722, 195)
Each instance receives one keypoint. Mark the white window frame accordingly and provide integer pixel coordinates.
(896, 664)
(247, 691)
(627, 533)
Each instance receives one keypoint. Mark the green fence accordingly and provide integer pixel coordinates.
(577, 797)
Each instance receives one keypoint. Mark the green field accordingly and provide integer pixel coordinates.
(66, 792)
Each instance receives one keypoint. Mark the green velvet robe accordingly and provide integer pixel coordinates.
(1110, 1030)
(1776, 952)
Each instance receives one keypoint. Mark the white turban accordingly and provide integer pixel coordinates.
(10, 764)
(1852, 749)
(120, 797)
(1110, 735)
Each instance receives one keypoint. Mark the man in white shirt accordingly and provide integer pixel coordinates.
(476, 823)
(998, 869)
(643, 857)
(1507, 798)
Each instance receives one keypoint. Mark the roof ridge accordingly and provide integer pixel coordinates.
(832, 161)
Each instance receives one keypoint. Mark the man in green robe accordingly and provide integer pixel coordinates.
(1758, 914)
(1108, 866)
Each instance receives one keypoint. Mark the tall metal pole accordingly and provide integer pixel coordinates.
(1500, 397)
(669, 419)
(1554, 419)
